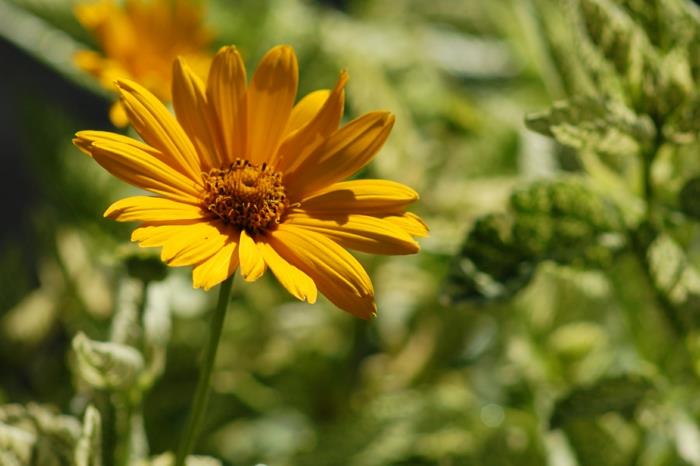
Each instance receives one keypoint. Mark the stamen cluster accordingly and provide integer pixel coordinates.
(246, 196)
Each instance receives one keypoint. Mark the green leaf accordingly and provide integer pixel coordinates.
(591, 124)
(109, 366)
(564, 220)
(490, 265)
(621, 41)
(667, 23)
(37, 435)
(620, 394)
(16, 444)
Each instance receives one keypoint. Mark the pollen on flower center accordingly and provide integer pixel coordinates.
(245, 195)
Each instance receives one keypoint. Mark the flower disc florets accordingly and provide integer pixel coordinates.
(246, 196)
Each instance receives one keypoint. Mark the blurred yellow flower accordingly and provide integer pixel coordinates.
(139, 40)
(243, 177)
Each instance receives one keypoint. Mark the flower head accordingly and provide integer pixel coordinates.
(139, 41)
(243, 178)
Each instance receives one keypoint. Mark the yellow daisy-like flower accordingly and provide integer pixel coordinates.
(139, 41)
(245, 178)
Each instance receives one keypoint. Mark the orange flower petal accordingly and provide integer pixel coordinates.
(193, 113)
(84, 140)
(152, 209)
(337, 274)
(183, 243)
(294, 280)
(218, 267)
(117, 115)
(141, 169)
(159, 128)
(409, 222)
(299, 144)
(306, 109)
(271, 96)
(227, 96)
(344, 152)
(360, 232)
(252, 263)
(361, 197)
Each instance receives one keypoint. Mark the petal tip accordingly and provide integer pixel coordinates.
(389, 119)
(179, 63)
(83, 144)
(227, 49)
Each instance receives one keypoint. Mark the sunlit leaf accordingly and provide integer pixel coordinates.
(621, 41)
(565, 221)
(591, 124)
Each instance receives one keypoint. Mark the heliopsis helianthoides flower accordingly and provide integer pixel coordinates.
(139, 40)
(243, 178)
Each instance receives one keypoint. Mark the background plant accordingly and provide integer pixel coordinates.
(549, 319)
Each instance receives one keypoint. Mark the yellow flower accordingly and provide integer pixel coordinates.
(139, 41)
(245, 178)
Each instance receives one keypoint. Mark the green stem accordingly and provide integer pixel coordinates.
(201, 394)
(109, 435)
(131, 400)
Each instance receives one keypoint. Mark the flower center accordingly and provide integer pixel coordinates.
(245, 195)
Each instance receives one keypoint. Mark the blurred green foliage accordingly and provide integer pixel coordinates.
(551, 317)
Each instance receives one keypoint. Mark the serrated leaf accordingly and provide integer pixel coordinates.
(615, 394)
(37, 435)
(621, 41)
(109, 366)
(16, 442)
(667, 23)
(592, 124)
(565, 221)
(490, 266)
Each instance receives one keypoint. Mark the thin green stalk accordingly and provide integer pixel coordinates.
(201, 394)
(131, 400)
(109, 435)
